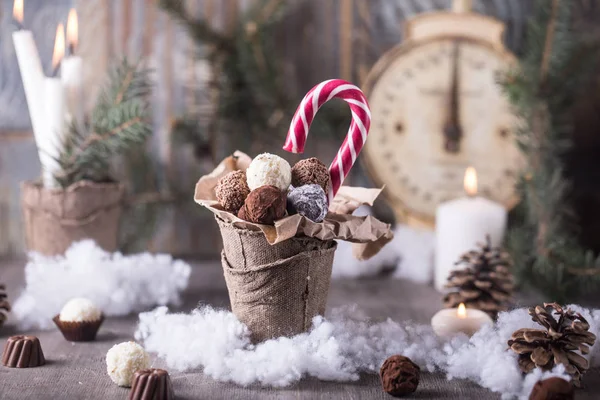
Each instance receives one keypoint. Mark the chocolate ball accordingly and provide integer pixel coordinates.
(310, 171)
(264, 205)
(232, 190)
(552, 389)
(399, 376)
(309, 201)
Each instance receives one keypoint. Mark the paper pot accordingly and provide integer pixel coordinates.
(278, 276)
(55, 218)
(276, 290)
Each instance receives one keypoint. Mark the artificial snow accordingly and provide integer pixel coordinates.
(409, 255)
(340, 348)
(117, 284)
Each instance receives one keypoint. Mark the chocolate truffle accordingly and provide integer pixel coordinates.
(399, 376)
(232, 190)
(552, 389)
(79, 320)
(151, 384)
(123, 360)
(264, 205)
(23, 352)
(310, 171)
(269, 170)
(309, 201)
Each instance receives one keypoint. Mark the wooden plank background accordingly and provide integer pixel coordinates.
(319, 39)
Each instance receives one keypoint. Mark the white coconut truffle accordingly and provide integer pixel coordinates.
(123, 360)
(80, 309)
(269, 169)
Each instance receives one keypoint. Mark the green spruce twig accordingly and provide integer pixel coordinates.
(119, 121)
(542, 89)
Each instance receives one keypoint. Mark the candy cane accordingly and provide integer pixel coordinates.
(357, 134)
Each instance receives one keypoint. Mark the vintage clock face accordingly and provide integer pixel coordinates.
(437, 109)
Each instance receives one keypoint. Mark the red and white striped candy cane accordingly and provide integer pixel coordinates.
(357, 134)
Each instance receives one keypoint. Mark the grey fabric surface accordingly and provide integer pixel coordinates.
(78, 370)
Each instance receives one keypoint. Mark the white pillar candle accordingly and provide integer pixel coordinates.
(53, 100)
(461, 224)
(51, 143)
(31, 70)
(72, 77)
(449, 322)
(71, 71)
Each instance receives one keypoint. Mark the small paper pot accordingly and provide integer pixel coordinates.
(276, 290)
(84, 331)
(55, 218)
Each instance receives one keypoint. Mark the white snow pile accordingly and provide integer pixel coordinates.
(116, 283)
(339, 348)
(409, 255)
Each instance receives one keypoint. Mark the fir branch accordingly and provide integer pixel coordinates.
(119, 121)
(541, 92)
(551, 27)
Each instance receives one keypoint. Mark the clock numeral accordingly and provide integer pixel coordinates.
(399, 128)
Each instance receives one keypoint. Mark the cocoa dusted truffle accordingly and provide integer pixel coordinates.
(264, 205)
(23, 352)
(309, 201)
(399, 376)
(310, 171)
(552, 389)
(151, 384)
(232, 190)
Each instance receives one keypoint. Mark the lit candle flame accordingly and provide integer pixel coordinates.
(462, 311)
(59, 47)
(18, 11)
(72, 30)
(470, 181)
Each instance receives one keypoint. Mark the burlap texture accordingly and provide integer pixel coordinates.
(55, 218)
(276, 290)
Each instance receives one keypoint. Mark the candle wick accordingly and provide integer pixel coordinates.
(71, 49)
(19, 25)
(56, 70)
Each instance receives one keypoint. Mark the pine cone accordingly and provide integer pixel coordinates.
(558, 343)
(4, 305)
(485, 283)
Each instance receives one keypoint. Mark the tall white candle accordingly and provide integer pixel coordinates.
(461, 224)
(52, 141)
(72, 73)
(53, 100)
(30, 66)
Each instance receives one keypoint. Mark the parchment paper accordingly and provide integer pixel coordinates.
(339, 223)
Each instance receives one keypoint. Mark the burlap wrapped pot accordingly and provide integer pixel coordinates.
(55, 218)
(276, 290)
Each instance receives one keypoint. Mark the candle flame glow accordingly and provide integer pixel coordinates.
(18, 11)
(462, 311)
(72, 29)
(470, 181)
(59, 46)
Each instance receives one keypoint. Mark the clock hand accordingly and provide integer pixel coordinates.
(452, 128)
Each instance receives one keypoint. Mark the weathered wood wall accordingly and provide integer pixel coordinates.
(320, 39)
